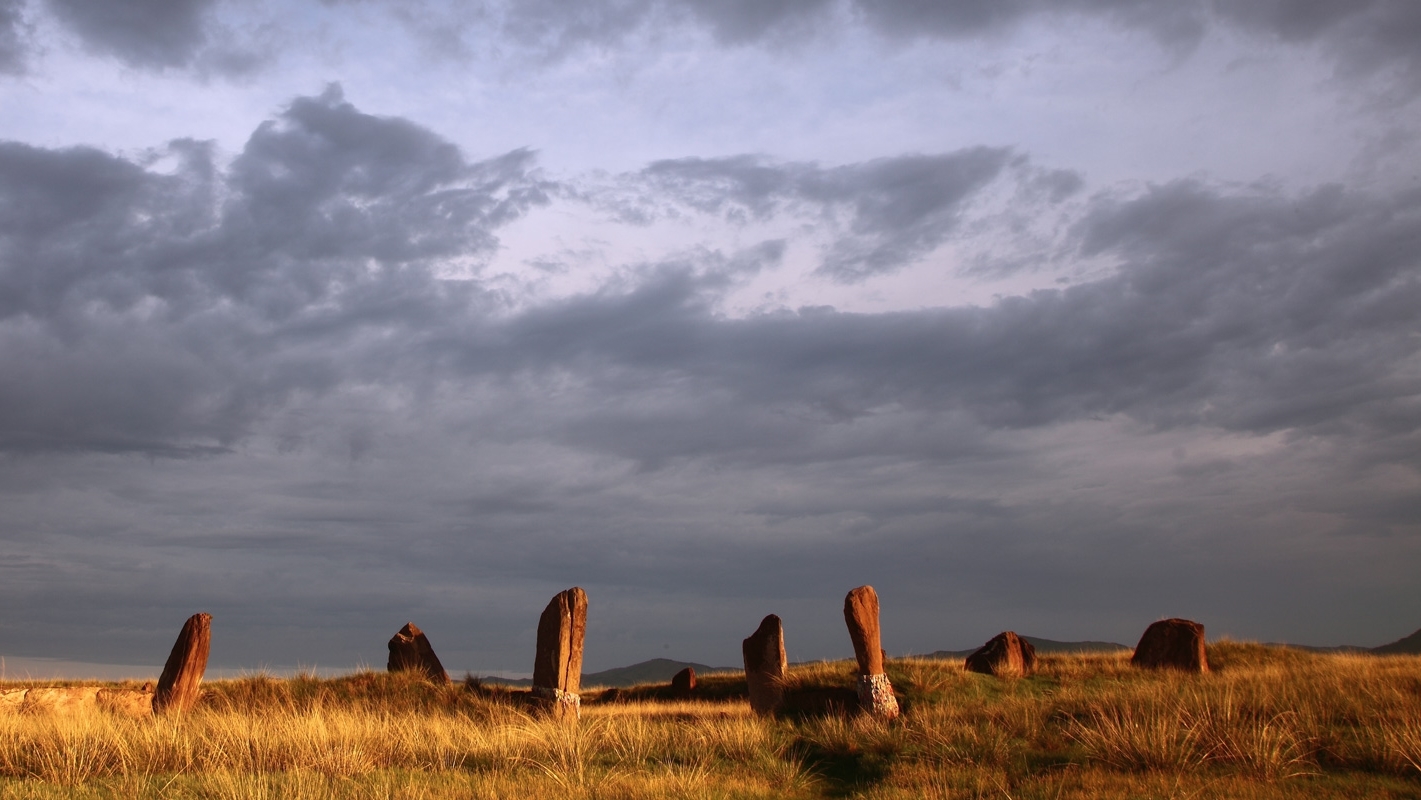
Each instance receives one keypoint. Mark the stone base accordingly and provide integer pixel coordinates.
(560, 705)
(876, 696)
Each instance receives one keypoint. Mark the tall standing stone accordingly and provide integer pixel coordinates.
(182, 674)
(765, 666)
(1005, 655)
(1172, 644)
(557, 667)
(410, 651)
(874, 690)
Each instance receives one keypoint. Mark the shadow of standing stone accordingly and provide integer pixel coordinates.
(1172, 644)
(874, 691)
(410, 651)
(182, 675)
(1005, 655)
(765, 666)
(557, 666)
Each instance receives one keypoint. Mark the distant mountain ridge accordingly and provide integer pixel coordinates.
(1043, 646)
(1406, 645)
(660, 670)
(657, 670)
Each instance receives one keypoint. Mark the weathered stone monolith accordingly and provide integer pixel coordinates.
(557, 667)
(1005, 655)
(874, 690)
(1172, 644)
(182, 675)
(765, 666)
(410, 651)
(683, 683)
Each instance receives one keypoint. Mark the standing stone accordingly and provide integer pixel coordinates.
(874, 690)
(410, 652)
(683, 683)
(1006, 655)
(765, 666)
(182, 675)
(557, 667)
(1172, 644)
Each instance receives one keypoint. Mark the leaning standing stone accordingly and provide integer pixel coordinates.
(182, 675)
(875, 692)
(1172, 644)
(410, 651)
(1006, 655)
(557, 667)
(765, 666)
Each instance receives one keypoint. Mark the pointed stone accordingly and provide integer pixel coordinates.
(179, 684)
(861, 614)
(1172, 644)
(683, 683)
(410, 651)
(874, 691)
(557, 666)
(765, 666)
(1005, 655)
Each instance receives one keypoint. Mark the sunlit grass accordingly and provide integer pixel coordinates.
(1267, 723)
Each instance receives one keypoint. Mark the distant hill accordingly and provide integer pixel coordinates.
(1340, 648)
(1043, 646)
(1410, 645)
(657, 670)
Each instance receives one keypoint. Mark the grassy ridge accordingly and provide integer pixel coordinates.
(1269, 723)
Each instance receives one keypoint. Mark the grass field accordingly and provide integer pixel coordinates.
(1267, 723)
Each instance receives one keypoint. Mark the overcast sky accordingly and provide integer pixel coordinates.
(1058, 317)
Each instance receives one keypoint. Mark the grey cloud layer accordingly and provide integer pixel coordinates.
(232, 290)
(159, 34)
(383, 432)
(898, 209)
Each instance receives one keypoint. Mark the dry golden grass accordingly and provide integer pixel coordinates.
(1268, 723)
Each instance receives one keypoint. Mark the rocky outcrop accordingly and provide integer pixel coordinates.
(76, 700)
(875, 693)
(410, 652)
(127, 702)
(61, 700)
(557, 666)
(683, 683)
(180, 683)
(1172, 644)
(1005, 655)
(765, 666)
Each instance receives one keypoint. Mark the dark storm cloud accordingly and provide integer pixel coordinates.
(12, 37)
(897, 209)
(157, 34)
(1364, 36)
(156, 310)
